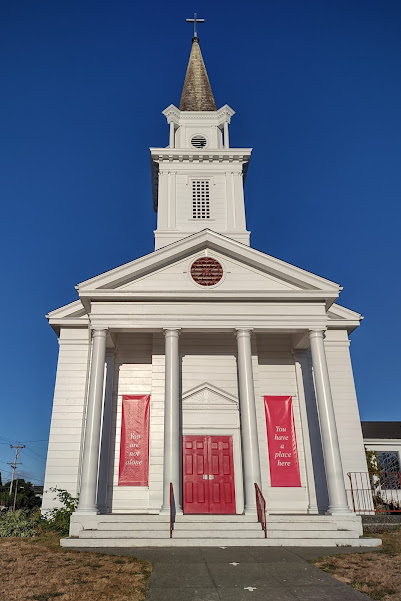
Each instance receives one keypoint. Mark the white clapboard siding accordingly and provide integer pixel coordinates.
(209, 358)
(274, 373)
(132, 376)
(63, 457)
(345, 403)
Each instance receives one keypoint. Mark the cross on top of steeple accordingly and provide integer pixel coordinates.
(195, 20)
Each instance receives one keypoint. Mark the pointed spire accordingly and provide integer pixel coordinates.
(197, 93)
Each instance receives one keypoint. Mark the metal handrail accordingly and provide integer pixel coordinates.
(261, 508)
(171, 510)
(375, 494)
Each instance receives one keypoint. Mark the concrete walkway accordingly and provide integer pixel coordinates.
(240, 574)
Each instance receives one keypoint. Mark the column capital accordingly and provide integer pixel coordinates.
(317, 333)
(243, 332)
(99, 332)
(173, 332)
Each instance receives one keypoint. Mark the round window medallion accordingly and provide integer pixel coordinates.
(198, 141)
(206, 271)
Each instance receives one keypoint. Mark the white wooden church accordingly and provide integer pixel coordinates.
(207, 380)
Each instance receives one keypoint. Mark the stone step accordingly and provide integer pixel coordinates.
(226, 526)
(119, 534)
(100, 543)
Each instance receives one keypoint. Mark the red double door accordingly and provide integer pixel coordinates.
(208, 471)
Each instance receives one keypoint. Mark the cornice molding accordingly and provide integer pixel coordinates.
(188, 155)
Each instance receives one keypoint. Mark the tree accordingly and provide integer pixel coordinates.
(26, 497)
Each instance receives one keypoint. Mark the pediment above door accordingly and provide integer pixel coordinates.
(209, 397)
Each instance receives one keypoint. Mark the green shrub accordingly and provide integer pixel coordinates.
(18, 523)
(59, 519)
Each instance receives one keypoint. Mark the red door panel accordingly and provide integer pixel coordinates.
(222, 499)
(208, 474)
(195, 487)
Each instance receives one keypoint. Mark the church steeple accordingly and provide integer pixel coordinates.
(198, 179)
(197, 92)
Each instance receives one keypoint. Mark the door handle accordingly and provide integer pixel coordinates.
(211, 477)
(205, 476)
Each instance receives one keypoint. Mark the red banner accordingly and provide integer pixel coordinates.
(134, 445)
(281, 438)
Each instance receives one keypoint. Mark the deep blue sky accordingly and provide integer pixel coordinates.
(317, 90)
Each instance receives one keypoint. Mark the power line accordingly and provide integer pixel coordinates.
(41, 460)
(36, 453)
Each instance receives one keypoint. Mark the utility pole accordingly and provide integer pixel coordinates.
(15, 493)
(15, 463)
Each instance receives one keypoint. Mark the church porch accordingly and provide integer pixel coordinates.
(239, 366)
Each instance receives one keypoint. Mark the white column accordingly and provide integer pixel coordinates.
(171, 465)
(106, 426)
(226, 138)
(172, 134)
(299, 359)
(90, 462)
(249, 432)
(331, 449)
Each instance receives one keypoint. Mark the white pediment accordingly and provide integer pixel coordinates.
(237, 276)
(245, 270)
(210, 397)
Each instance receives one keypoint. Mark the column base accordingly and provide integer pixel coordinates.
(250, 510)
(87, 511)
(166, 511)
(338, 511)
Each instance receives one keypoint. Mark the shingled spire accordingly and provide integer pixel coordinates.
(197, 93)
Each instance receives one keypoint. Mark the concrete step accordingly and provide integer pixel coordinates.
(226, 526)
(119, 534)
(216, 533)
(214, 518)
(99, 543)
(323, 526)
(316, 535)
(132, 526)
(133, 518)
(307, 518)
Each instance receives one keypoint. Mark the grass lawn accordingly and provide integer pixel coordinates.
(39, 569)
(378, 574)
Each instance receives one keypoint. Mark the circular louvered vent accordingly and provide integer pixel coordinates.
(198, 141)
(206, 271)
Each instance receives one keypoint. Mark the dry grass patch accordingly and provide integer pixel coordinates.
(39, 570)
(377, 574)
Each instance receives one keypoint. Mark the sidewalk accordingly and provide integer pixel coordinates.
(241, 573)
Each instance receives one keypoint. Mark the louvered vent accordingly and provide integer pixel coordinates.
(200, 199)
(198, 142)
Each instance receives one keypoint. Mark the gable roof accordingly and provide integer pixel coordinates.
(115, 278)
(163, 275)
(386, 430)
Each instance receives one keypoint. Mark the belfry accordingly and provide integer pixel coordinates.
(204, 392)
